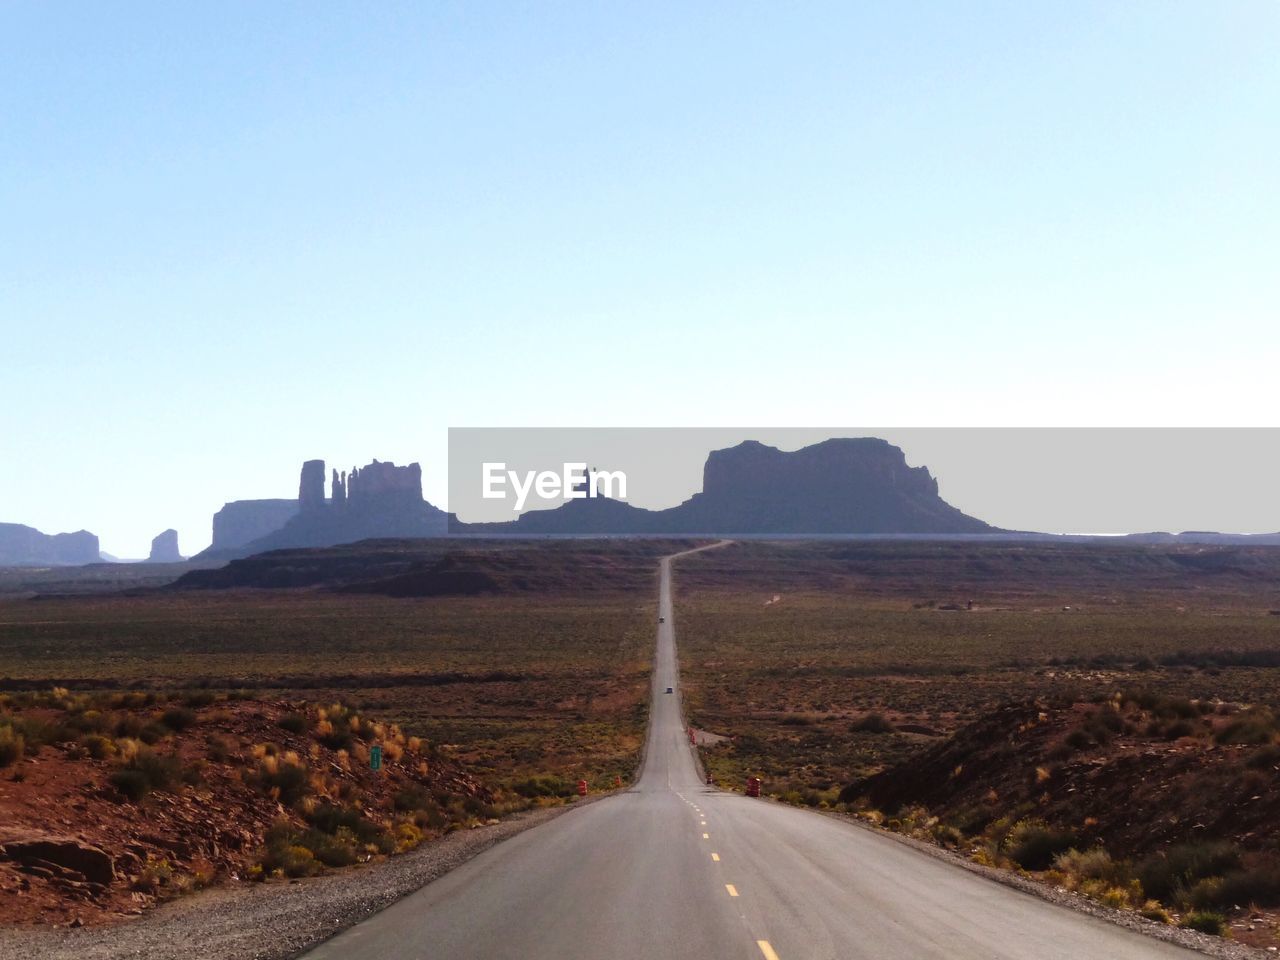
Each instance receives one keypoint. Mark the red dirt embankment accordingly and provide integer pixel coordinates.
(111, 802)
(1145, 802)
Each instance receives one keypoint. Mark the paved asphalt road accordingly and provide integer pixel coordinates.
(673, 869)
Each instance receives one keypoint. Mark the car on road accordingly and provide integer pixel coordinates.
(662, 619)
(669, 690)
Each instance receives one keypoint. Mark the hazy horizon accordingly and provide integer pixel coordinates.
(238, 237)
(1099, 482)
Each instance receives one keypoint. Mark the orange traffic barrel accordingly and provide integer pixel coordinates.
(582, 788)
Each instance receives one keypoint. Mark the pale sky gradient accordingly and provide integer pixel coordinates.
(235, 236)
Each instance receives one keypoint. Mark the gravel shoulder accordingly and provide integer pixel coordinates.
(270, 921)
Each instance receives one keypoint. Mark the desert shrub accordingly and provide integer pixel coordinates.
(334, 838)
(132, 784)
(1117, 898)
(199, 698)
(431, 818)
(407, 836)
(411, 798)
(1264, 757)
(144, 772)
(153, 732)
(335, 737)
(1171, 875)
(135, 728)
(1153, 911)
(1257, 726)
(1105, 719)
(1206, 922)
(947, 835)
(294, 723)
(37, 732)
(1178, 728)
(12, 746)
(127, 725)
(283, 853)
(90, 721)
(1078, 739)
(1032, 844)
(330, 817)
(283, 777)
(333, 819)
(872, 723)
(99, 747)
(1163, 706)
(164, 771)
(291, 860)
(1092, 864)
(154, 875)
(972, 819)
(542, 786)
(338, 849)
(178, 719)
(1259, 886)
(1206, 894)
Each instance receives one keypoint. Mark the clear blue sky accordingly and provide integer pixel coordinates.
(237, 235)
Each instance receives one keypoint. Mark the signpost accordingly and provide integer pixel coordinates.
(375, 757)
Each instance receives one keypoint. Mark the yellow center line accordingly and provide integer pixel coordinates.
(733, 891)
(715, 857)
(766, 950)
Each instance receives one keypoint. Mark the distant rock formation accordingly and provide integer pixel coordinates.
(23, 546)
(861, 486)
(164, 548)
(243, 521)
(385, 480)
(853, 485)
(376, 500)
(842, 486)
(311, 486)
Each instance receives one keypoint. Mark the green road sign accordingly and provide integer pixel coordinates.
(375, 757)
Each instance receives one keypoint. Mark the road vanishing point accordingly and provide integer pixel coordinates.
(673, 869)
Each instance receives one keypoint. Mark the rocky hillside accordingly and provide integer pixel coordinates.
(1170, 805)
(112, 802)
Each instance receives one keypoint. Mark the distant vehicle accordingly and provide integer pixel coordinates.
(662, 619)
(669, 690)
